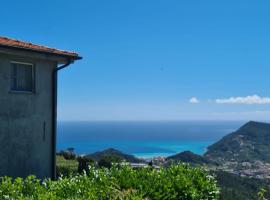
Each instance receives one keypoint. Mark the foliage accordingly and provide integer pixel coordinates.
(84, 164)
(261, 194)
(65, 167)
(105, 163)
(234, 187)
(121, 183)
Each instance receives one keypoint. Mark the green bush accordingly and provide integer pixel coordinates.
(118, 183)
(65, 167)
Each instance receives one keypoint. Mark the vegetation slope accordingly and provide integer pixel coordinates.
(179, 182)
(249, 143)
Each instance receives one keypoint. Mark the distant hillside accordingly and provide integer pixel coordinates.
(113, 155)
(189, 157)
(234, 187)
(251, 142)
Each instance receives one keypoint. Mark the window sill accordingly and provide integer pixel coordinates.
(21, 92)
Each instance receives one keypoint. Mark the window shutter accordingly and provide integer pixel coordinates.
(22, 77)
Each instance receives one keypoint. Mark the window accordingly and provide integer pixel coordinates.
(22, 77)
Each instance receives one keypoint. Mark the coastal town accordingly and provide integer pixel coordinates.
(257, 169)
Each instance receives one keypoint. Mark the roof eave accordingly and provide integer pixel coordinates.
(68, 57)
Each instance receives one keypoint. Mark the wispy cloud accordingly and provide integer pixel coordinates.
(254, 99)
(194, 100)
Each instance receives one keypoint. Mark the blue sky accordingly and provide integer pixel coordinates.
(145, 60)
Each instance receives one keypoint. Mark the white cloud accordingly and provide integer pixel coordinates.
(254, 99)
(194, 100)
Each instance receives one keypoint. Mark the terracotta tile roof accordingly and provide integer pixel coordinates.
(8, 42)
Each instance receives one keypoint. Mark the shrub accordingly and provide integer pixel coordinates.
(261, 194)
(65, 167)
(107, 161)
(118, 183)
(84, 164)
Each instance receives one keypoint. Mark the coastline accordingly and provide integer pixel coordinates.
(142, 139)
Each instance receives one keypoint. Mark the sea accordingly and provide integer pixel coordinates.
(143, 139)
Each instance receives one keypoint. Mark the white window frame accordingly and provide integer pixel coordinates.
(33, 78)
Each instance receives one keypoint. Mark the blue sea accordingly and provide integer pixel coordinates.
(143, 139)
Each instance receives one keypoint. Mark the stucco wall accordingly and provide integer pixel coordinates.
(24, 146)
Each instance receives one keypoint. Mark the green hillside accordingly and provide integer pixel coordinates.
(112, 155)
(249, 143)
(234, 187)
(189, 157)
